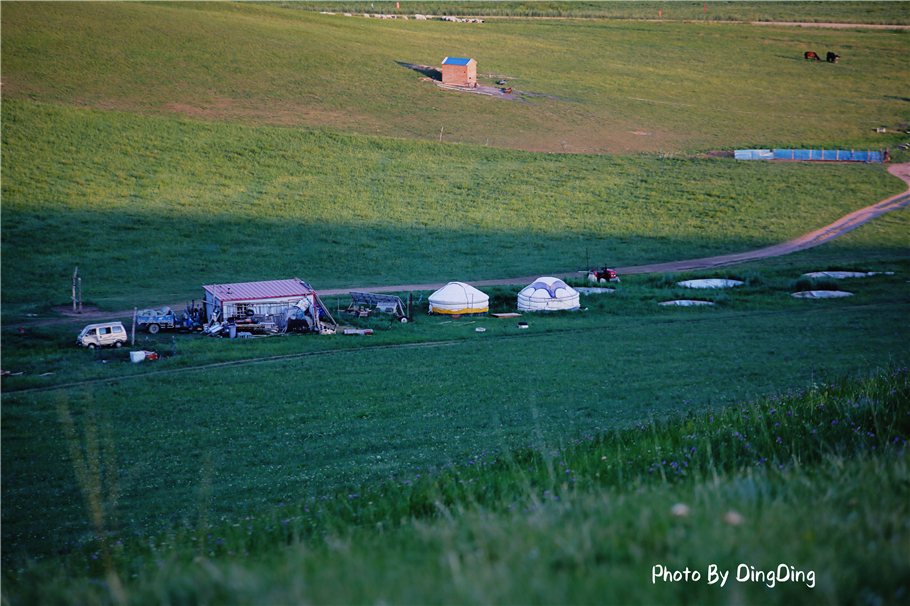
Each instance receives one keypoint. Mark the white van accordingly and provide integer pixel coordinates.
(99, 335)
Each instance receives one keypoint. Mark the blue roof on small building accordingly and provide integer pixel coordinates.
(455, 61)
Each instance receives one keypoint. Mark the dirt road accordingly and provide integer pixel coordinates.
(819, 236)
(831, 25)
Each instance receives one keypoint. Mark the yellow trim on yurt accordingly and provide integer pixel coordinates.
(463, 312)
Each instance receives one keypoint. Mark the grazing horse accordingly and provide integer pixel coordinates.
(832, 58)
(810, 56)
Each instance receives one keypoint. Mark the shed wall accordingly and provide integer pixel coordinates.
(460, 74)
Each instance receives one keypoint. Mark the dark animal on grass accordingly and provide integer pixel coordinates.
(832, 58)
(810, 56)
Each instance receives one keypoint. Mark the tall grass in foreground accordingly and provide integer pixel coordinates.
(811, 488)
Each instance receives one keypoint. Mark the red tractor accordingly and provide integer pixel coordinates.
(604, 274)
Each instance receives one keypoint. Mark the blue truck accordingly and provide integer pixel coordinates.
(153, 321)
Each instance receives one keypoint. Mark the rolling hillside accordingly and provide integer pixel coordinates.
(598, 86)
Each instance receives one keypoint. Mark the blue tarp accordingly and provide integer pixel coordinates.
(818, 155)
(828, 155)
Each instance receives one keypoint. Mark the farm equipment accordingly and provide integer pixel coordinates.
(365, 303)
(603, 274)
(155, 320)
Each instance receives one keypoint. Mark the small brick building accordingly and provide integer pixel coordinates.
(459, 72)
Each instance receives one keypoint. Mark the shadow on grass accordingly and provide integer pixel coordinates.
(426, 70)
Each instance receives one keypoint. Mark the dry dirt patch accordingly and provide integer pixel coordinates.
(269, 112)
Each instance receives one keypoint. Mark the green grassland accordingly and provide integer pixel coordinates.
(431, 463)
(45, 356)
(688, 87)
(799, 12)
(151, 209)
(436, 395)
(815, 479)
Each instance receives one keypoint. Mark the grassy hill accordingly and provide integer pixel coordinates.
(162, 146)
(817, 12)
(150, 209)
(604, 86)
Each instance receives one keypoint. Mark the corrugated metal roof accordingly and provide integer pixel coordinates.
(247, 291)
(455, 61)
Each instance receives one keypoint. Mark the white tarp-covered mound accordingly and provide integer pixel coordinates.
(710, 283)
(840, 275)
(547, 294)
(822, 294)
(686, 303)
(458, 298)
(587, 290)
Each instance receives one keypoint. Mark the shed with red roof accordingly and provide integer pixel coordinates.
(266, 300)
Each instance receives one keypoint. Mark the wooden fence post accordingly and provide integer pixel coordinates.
(75, 275)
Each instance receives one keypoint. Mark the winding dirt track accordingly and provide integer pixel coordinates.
(830, 25)
(819, 236)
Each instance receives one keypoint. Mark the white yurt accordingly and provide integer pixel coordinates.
(459, 298)
(547, 294)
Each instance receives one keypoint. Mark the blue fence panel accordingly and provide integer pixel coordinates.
(828, 155)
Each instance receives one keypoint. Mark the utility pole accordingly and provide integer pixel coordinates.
(77, 292)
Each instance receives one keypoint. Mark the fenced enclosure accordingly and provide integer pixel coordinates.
(817, 155)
